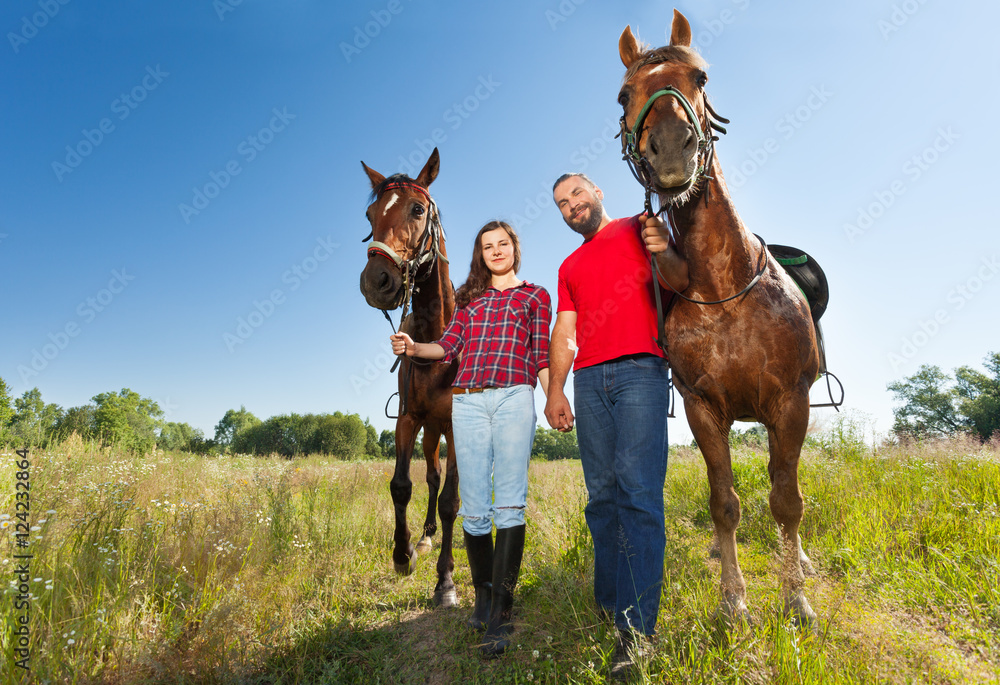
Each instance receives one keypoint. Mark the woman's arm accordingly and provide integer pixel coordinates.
(543, 380)
(403, 344)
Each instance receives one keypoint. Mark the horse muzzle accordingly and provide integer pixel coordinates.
(382, 284)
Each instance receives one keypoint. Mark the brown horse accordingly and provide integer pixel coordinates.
(743, 346)
(407, 260)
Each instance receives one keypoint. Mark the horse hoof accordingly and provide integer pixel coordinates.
(733, 611)
(425, 545)
(446, 599)
(807, 567)
(797, 608)
(409, 567)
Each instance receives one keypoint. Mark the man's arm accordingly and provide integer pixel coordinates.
(561, 346)
(673, 270)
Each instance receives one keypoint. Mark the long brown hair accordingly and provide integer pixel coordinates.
(480, 275)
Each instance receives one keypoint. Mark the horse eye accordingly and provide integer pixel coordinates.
(702, 79)
(418, 210)
(623, 99)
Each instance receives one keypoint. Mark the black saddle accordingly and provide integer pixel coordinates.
(807, 274)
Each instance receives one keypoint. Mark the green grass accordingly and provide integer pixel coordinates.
(172, 568)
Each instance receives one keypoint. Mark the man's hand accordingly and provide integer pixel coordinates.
(671, 267)
(655, 235)
(557, 410)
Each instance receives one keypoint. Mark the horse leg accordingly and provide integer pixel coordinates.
(444, 593)
(431, 444)
(712, 437)
(785, 437)
(404, 557)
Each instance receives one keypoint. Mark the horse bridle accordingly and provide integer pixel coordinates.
(640, 168)
(418, 267)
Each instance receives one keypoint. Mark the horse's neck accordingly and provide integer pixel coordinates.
(719, 251)
(433, 304)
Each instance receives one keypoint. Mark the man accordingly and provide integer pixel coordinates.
(607, 314)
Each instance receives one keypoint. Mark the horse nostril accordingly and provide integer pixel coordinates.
(383, 281)
(652, 146)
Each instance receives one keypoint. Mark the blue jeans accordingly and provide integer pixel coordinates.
(494, 431)
(621, 419)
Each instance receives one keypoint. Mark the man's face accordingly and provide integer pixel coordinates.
(580, 204)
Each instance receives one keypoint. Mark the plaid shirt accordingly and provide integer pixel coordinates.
(505, 337)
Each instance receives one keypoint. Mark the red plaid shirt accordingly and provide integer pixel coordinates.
(504, 335)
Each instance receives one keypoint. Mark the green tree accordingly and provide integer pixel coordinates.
(79, 420)
(179, 436)
(6, 412)
(551, 444)
(342, 436)
(34, 421)
(373, 450)
(932, 403)
(387, 443)
(232, 424)
(979, 396)
(928, 404)
(126, 420)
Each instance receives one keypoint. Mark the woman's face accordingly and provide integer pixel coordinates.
(498, 251)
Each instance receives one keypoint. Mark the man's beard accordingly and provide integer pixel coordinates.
(590, 220)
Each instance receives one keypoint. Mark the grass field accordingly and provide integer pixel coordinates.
(172, 568)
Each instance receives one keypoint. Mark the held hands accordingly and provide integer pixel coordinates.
(402, 344)
(558, 412)
(655, 235)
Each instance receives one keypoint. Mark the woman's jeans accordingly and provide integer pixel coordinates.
(621, 424)
(494, 431)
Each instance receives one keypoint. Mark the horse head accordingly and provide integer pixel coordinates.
(402, 217)
(665, 125)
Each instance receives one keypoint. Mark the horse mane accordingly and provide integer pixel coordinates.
(668, 53)
(395, 178)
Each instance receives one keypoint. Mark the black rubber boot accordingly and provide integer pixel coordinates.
(506, 567)
(480, 551)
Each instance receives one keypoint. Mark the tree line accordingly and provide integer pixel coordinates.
(934, 403)
(128, 421)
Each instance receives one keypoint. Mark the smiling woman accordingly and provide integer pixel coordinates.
(501, 330)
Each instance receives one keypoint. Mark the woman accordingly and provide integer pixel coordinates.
(501, 329)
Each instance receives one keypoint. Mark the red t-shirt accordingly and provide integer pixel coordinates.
(608, 282)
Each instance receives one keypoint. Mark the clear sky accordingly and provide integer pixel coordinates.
(166, 168)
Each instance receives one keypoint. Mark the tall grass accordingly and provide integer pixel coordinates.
(172, 568)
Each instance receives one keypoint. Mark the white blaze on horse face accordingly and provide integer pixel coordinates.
(390, 203)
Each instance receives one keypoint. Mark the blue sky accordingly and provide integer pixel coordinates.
(861, 133)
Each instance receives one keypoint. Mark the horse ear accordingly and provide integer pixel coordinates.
(430, 170)
(680, 31)
(628, 47)
(375, 177)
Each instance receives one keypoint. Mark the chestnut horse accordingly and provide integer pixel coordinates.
(740, 340)
(407, 260)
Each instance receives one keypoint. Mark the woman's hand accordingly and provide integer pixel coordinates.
(402, 344)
